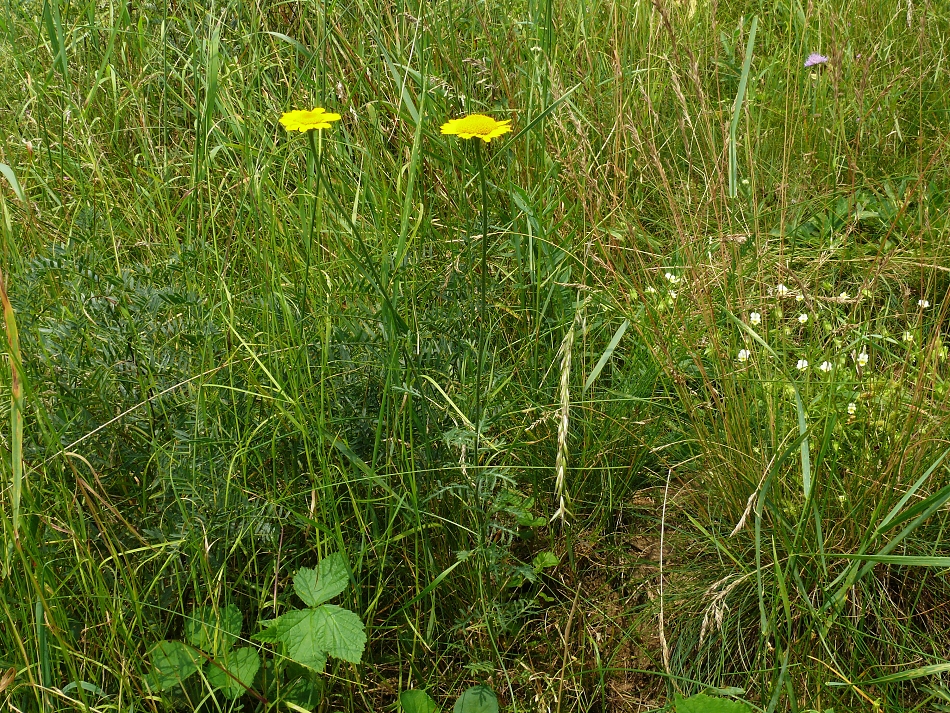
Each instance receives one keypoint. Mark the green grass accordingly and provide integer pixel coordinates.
(233, 360)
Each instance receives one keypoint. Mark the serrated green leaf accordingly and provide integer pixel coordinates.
(311, 634)
(242, 664)
(304, 693)
(172, 663)
(342, 631)
(417, 701)
(329, 579)
(269, 635)
(543, 560)
(214, 631)
(701, 703)
(295, 631)
(477, 699)
(527, 519)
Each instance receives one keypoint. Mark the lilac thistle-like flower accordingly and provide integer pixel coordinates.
(814, 59)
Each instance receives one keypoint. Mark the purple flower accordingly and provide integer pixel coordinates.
(815, 58)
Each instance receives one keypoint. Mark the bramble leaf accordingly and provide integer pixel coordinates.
(172, 663)
(543, 560)
(214, 631)
(417, 701)
(305, 693)
(311, 634)
(477, 699)
(242, 664)
(329, 579)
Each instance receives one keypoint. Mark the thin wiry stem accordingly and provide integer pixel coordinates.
(317, 205)
(480, 357)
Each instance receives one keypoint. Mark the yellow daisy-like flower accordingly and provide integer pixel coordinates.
(476, 126)
(304, 120)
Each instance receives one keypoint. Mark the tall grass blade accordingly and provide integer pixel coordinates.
(737, 108)
(9, 174)
(605, 357)
(16, 417)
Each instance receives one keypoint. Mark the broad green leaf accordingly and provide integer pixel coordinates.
(329, 579)
(305, 693)
(269, 635)
(342, 631)
(417, 701)
(296, 632)
(543, 560)
(242, 665)
(213, 631)
(701, 703)
(477, 699)
(311, 634)
(172, 663)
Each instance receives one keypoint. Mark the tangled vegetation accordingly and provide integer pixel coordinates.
(636, 401)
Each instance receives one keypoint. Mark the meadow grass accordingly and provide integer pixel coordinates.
(670, 416)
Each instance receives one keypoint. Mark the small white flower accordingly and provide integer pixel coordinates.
(825, 366)
(781, 290)
(923, 303)
(852, 408)
(799, 298)
(802, 318)
(755, 318)
(672, 278)
(863, 358)
(844, 296)
(802, 364)
(744, 354)
(907, 337)
(650, 290)
(673, 294)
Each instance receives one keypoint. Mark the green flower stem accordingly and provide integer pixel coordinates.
(480, 357)
(480, 363)
(316, 212)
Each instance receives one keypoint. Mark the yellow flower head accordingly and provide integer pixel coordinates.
(303, 120)
(476, 126)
